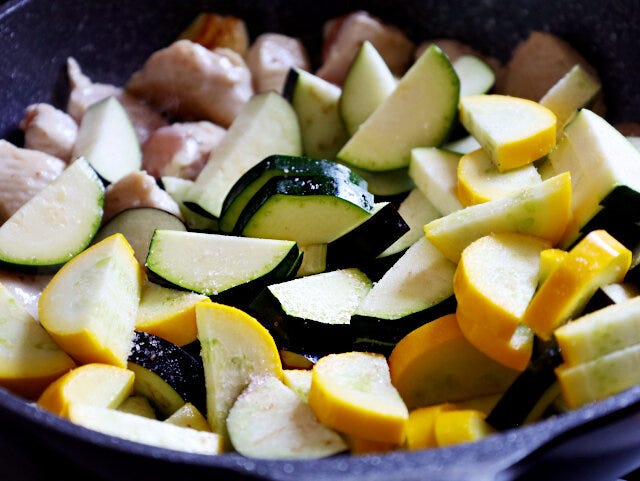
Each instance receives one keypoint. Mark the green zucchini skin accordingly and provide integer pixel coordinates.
(179, 369)
(297, 334)
(277, 166)
(242, 294)
(137, 224)
(375, 334)
(521, 397)
(362, 245)
(297, 189)
(624, 202)
(624, 229)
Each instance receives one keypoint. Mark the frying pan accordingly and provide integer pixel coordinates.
(111, 39)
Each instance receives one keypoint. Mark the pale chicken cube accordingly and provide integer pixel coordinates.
(343, 37)
(49, 130)
(180, 149)
(270, 58)
(24, 173)
(192, 82)
(84, 93)
(137, 189)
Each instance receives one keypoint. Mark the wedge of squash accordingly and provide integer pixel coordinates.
(29, 358)
(352, 392)
(90, 305)
(235, 348)
(494, 282)
(540, 210)
(93, 384)
(597, 260)
(513, 131)
(436, 364)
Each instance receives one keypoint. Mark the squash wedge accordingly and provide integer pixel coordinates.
(595, 261)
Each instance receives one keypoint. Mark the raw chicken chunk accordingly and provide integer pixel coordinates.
(26, 288)
(25, 172)
(343, 37)
(137, 189)
(190, 81)
(270, 58)
(49, 130)
(180, 149)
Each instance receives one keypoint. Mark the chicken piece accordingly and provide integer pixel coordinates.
(137, 189)
(218, 31)
(538, 63)
(344, 36)
(49, 130)
(24, 173)
(189, 81)
(180, 149)
(26, 288)
(84, 92)
(270, 58)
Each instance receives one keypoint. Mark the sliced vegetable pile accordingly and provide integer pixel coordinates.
(408, 248)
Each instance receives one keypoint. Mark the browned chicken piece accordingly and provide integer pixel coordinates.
(84, 92)
(218, 31)
(180, 149)
(538, 63)
(270, 58)
(26, 288)
(137, 189)
(343, 36)
(23, 173)
(49, 130)
(189, 81)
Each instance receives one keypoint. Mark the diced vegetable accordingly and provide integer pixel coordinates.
(92, 384)
(513, 131)
(90, 305)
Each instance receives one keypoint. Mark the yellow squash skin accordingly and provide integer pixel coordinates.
(596, 260)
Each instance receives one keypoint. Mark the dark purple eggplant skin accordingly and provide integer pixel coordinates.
(112, 39)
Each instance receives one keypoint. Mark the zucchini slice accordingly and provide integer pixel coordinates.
(523, 395)
(282, 166)
(57, 223)
(316, 103)
(162, 367)
(417, 289)
(427, 95)
(367, 84)
(211, 264)
(108, 140)
(307, 210)
(365, 242)
(137, 226)
(312, 313)
(266, 125)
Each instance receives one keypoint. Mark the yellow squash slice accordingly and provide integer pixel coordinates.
(595, 261)
(513, 131)
(235, 347)
(480, 181)
(494, 282)
(90, 305)
(421, 432)
(352, 392)
(436, 364)
(460, 426)
(549, 260)
(94, 384)
(29, 358)
(168, 313)
(540, 210)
